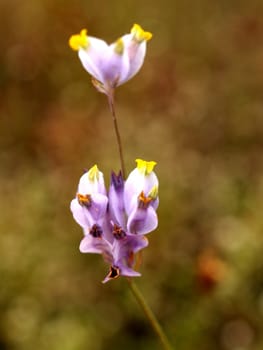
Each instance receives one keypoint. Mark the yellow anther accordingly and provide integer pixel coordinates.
(79, 41)
(84, 200)
(154, 192)
(139, 34)
(119, 46)
(93, 173)
(145, 167)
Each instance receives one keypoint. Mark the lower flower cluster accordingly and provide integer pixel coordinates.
(115, 222)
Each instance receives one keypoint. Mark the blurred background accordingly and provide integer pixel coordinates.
(195, 108)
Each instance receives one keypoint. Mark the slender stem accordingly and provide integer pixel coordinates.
(136, 292)
(150, 315)
(117, 132)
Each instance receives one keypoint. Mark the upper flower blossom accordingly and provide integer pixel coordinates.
(115, 225)
(114, 64)
(141, 180)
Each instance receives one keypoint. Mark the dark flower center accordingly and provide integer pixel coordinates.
(96, 231)
(118, 232)
(114, 272)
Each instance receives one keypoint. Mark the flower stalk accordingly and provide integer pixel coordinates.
(117, 132)
(150, 315)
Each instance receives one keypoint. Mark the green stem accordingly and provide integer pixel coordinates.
(150, 315)
(117, 132)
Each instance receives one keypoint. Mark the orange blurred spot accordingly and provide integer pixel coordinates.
(211, 270)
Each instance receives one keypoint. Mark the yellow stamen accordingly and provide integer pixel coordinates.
(139, 34)
(154, 192)
(119, 46)
(84, 200)
(79, 41)
(145, 167)
(93, 173)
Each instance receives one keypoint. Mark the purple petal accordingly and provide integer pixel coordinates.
(81, 214)
(114, 66)
(133, 243)
(91, 57)
(116, 203)
(136, 183)
(123, 271)
(124, 249)
(94, 185)
(98, 206)
(142, 221)
(123, 256)
(136, 53)
(127, 271)
(117, 181)
(91, 244)
(107, 229)
(155, 203)
(87, 215)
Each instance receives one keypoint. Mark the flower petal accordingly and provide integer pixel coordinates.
(134, 244)
(124, 271)
(108, 64)
(123, 256)
(127, 271)
(98, 206)
(135, 45)
(87, 215)
(81, 214)
(115, 65)
(96, 245)
(124, 249)
(92, 182)
(116, 203)
(142, 221)
(136, 53)
(92, 57)
(141, 179)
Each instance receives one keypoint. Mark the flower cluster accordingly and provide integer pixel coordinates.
(111, 65)
(115, 223)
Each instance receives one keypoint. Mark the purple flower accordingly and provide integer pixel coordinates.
(114, 225)
(111, 65)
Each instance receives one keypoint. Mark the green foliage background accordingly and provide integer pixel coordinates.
(196, 108)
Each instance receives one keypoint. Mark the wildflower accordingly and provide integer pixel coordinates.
(120, 254)
(92, 181)
(89, 206)
(114, 64)
(109, 229)
(141, 179)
